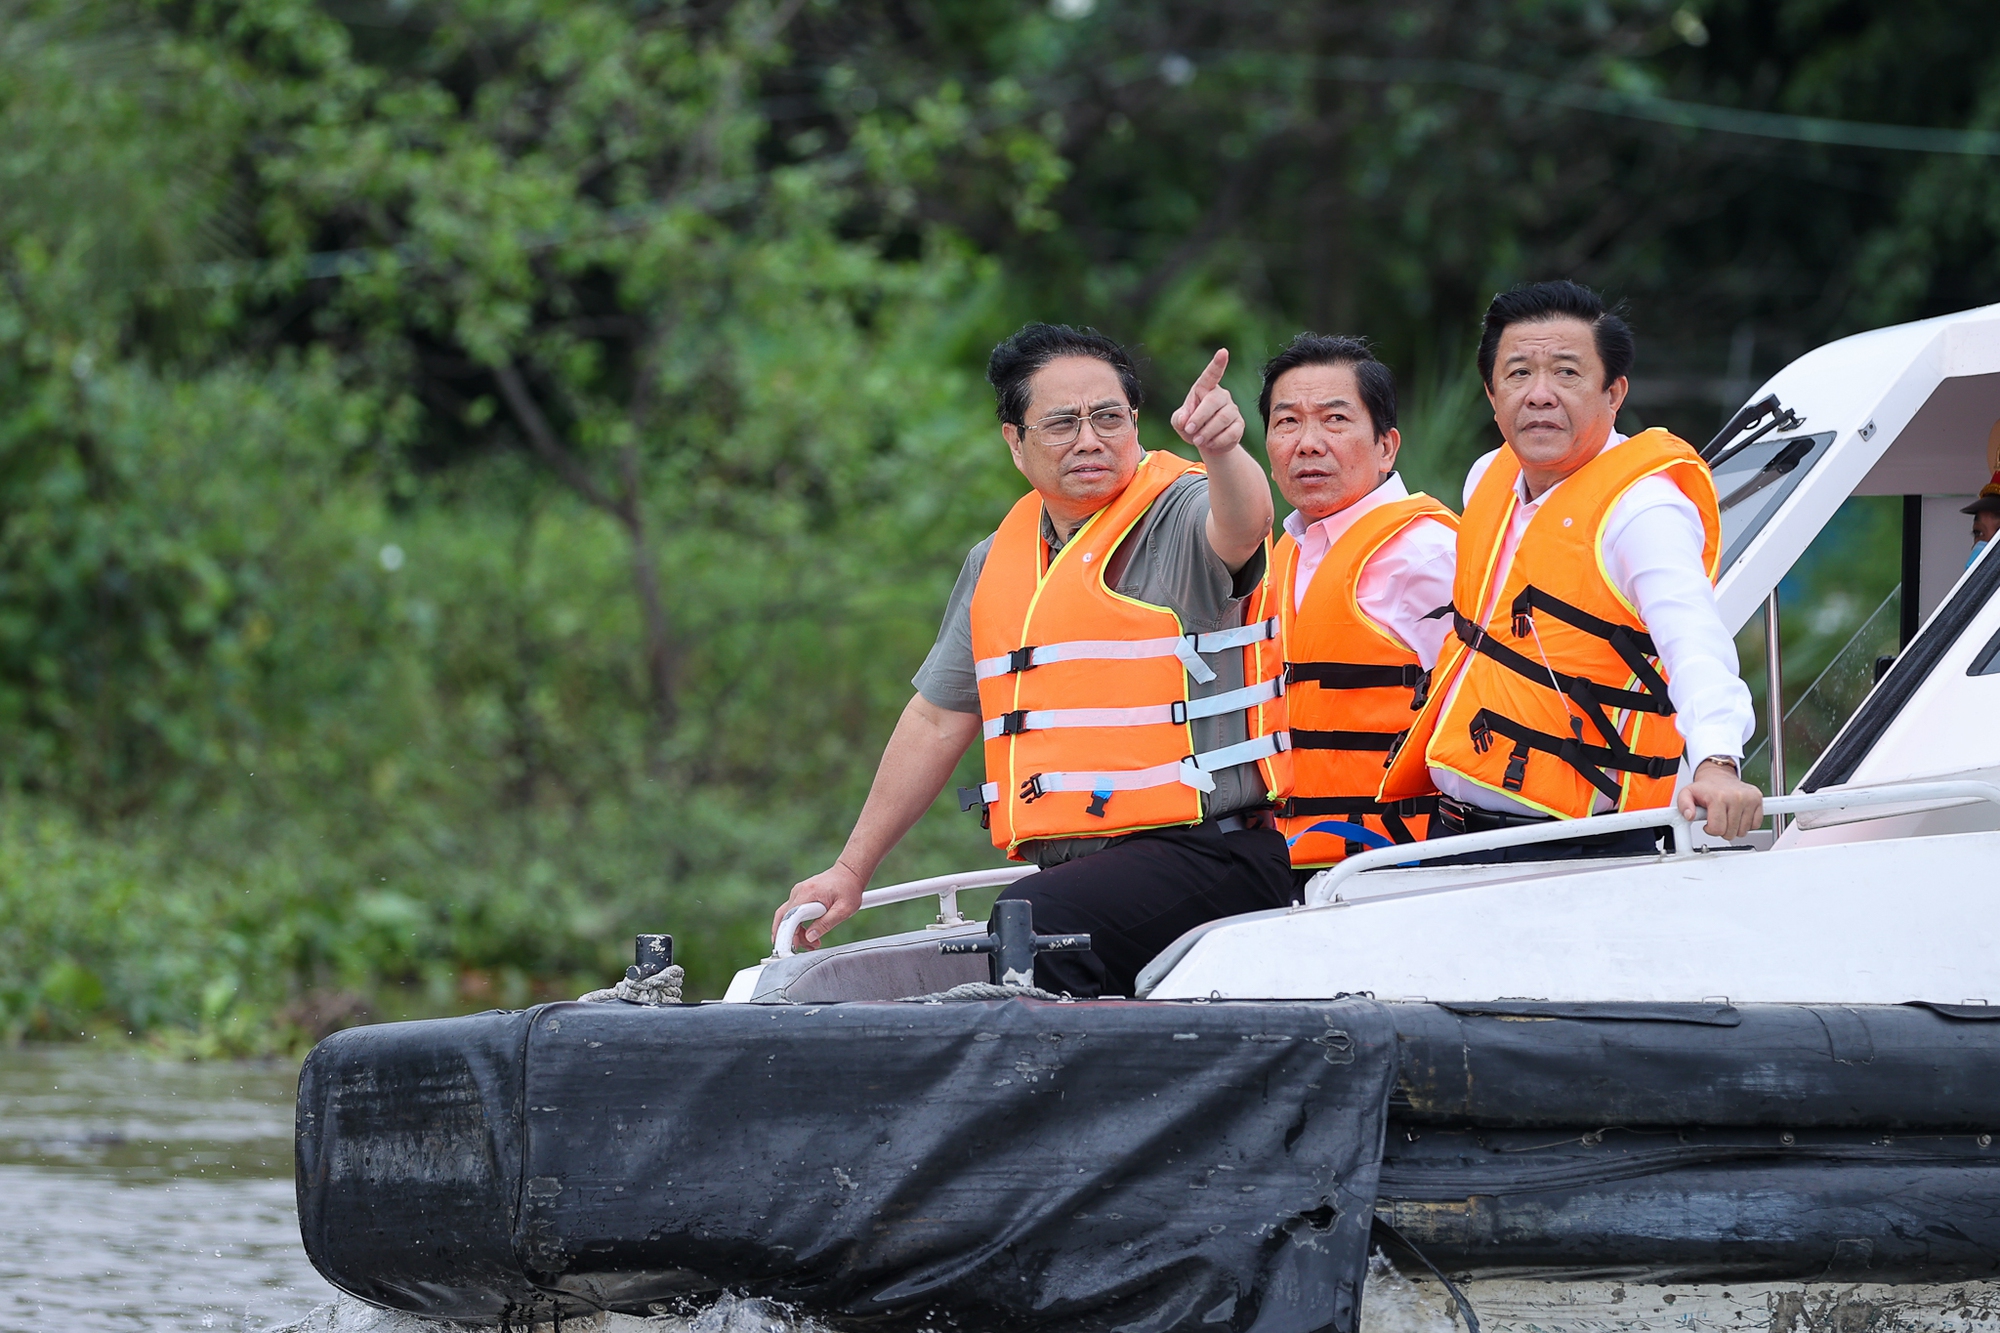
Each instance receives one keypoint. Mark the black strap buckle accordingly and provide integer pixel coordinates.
(1031, 789)
(1021, 658)
(1420, 693)
(1450, 819)
(1482, 733)
(1517, 768)
(1177, 710)
(1014, 723)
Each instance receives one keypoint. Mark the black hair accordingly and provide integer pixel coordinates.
(1378, 386)
(1015, 361)
(1533, 302)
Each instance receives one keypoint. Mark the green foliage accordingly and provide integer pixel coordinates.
(476, 477)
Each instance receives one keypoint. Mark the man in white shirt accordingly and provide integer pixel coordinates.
(1355, 578)
(1585, 609)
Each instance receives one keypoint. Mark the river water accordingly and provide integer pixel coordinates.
(140, 1194)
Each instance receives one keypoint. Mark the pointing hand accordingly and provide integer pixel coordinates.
(1209, 419)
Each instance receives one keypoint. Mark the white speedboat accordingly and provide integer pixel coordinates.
(1741, 1086)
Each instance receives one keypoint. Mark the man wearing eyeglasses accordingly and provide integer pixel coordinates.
(1096, 642)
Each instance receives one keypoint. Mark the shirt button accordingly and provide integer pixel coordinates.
(1566, 523)
(1087, 555)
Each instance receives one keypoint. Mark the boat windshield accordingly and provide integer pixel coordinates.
(1753, 484)
(1820, 713)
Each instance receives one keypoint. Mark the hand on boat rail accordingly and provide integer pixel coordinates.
(1733, 806)
(945, 888)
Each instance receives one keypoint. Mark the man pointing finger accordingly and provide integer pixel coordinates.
(1095, 644)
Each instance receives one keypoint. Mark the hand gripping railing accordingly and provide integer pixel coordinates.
(945, 888)
(1325, 888)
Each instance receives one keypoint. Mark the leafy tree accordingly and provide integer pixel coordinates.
(476, 476)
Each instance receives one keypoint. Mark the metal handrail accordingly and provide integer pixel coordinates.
(1324, 888)
(945, 888)
(1930, 795)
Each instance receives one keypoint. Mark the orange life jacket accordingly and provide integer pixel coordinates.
(1561, 698)
(1083, 691)
(1351, 691)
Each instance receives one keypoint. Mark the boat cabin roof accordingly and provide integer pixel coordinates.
(1908, 410)
(1912, 410)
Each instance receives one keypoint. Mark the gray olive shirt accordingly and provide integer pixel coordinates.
(1168, 562)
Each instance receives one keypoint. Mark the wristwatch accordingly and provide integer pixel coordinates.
(1734, 767)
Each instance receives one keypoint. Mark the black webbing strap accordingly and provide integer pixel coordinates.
(1391, 813)
(1311, 807)
(1533, 599)
(1580, 688)
(1345, 740)
(1354, 675)
(1633, 646)
(1589, 760)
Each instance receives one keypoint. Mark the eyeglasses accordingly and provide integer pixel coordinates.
(1107, 423)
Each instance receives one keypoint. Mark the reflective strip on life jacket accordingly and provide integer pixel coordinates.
(1235, 701)
(1187, 647)
(1190, 772)
(1071, 722)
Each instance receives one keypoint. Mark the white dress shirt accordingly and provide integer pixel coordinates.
(1407, 578)
(1652, 550)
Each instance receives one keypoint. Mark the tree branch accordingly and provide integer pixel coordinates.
(542, 439)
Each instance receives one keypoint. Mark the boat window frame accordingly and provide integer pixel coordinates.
(1986, 662)
(1786, 484)
(1912, 668)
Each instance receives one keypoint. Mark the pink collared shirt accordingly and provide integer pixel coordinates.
(1407, 578)
(1652, 550)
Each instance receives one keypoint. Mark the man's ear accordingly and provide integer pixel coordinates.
(1616, 392)
(1015, 440)
(1390, 441)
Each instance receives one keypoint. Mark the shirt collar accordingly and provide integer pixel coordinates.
(1335, 525)
(1521, 481)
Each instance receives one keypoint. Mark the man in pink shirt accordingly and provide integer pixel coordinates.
(1355, 578)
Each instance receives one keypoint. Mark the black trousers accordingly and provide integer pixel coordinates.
(1142, 893)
